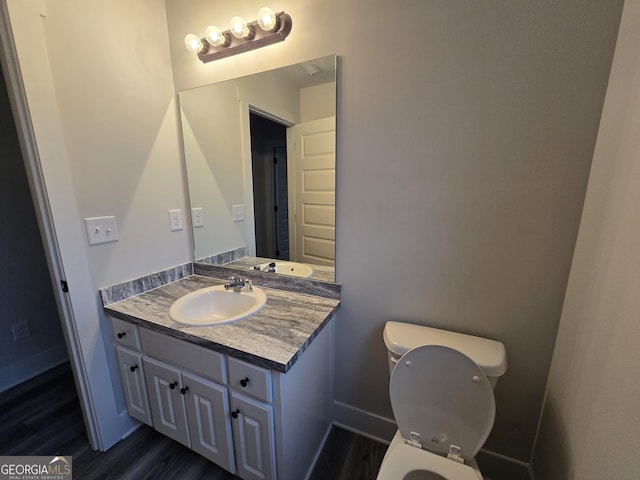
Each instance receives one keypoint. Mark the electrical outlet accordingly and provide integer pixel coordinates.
(237, 212)
(101, 230)
(20, 330)
(196, 217)
(175, 219)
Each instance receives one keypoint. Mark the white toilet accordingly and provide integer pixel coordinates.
(441, 392)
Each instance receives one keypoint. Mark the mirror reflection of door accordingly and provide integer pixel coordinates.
(312, 191)
(270, 195)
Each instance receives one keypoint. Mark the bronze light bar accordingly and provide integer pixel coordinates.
(256, 38)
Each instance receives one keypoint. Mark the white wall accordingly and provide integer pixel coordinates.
(112, 76)
(463, 155)
(591, 424)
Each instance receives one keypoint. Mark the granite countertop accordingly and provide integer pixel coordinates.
(273, 338)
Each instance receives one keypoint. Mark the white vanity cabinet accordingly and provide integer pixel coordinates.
(131, 370)
(253, 420)
(257, 423)
(133, 384)
(188, 398)
(191, 410)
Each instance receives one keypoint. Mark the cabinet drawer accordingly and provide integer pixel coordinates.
(125, 333)
(250, 379)
(199, 360)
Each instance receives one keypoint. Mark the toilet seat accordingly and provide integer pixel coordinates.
(405, 459)
(442, 401)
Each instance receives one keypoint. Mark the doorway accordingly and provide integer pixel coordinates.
(32, 340)
(270, 191)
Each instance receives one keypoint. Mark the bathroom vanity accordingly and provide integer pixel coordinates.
(253, 396)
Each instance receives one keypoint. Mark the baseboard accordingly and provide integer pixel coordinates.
(363, 423)
(499, 467)
(29, 367)
(382, 429)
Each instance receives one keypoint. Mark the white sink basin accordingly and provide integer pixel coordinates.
(293, 269)
(215, 305)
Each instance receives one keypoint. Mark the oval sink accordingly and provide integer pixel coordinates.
(215, 305)
(283, 267)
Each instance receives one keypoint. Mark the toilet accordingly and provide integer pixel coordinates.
(441, 392)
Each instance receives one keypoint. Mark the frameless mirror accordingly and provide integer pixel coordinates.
(260, 163)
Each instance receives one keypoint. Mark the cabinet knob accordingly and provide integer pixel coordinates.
(184, 390)
(244, 382)
(121, 335)
(133, 368)
(235, 413)
(173, 385)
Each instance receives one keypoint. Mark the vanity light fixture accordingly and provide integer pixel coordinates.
(241, 36)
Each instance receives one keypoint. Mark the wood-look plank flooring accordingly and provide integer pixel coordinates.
(43, 417)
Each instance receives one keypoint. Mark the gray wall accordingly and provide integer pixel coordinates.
(464, 150)
(25, 288)
(591, 423)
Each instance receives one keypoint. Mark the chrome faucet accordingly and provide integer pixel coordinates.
(267, 268)
(238, 283)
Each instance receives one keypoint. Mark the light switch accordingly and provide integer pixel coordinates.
(175, 220)
(237, 211)
(196, 217)
(101, 230)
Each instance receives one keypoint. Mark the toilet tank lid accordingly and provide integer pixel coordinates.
(489, 355)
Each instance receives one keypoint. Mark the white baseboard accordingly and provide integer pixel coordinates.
(29, 367)
(364, 423)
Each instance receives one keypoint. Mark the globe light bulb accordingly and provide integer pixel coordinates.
(215, 36)
(239, 27)
(267, 19)
(193, 43)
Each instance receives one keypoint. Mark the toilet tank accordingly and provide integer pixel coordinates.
(489, 355)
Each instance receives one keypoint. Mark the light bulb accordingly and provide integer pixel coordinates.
(215, 36)
(239, 27)
(193, 43)
(267, 19)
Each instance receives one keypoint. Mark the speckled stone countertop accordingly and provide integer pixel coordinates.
(273, 338)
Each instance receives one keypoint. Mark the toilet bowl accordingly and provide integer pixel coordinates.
(442, 401)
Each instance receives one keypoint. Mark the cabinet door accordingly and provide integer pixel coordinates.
(208, 417)
(135, 391)
(253, 438)
(166, 401)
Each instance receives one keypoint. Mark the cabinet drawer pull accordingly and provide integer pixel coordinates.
(121, 335)
(184, 390)
(235, 413)
(173, 385)
(244, 382)
(133, 368)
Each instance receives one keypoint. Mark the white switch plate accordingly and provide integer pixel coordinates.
(175, 220)
(101, 230)
(196, 217)
(237, 211)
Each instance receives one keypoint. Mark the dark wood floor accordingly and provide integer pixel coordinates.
(43, 417)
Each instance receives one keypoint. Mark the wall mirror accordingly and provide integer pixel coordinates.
(260, 164)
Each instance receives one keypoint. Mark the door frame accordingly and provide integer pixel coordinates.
(247, 102)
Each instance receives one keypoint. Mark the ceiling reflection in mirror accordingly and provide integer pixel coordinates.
(260, 164)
